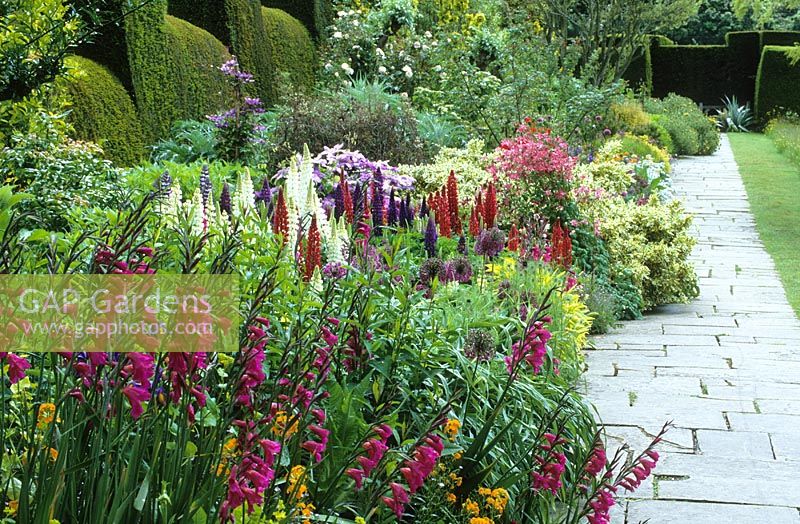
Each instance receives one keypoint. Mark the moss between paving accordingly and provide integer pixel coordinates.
(773, 188)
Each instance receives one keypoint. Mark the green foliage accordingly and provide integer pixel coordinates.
(63, 177)
(291, 47)
(629, 116)
(697, 72)
(102, 111)
(777, 81)
(188, 142)
(785, 132)
(652, 241)
(35, 36)
(691, 131)
(711, 24)
(173, 68)
(468, 163)
(733, 117)
(644, 146)
(364, 123)
(238, 24)
(316, 15)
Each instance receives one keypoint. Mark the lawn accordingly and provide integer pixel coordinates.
(773, 185)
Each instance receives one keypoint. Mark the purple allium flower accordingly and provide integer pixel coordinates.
(431, 236)
(462, 269)
(447, 273)
(205, 185)
(225, 199)
(334, 271)
(479, 345)
(606, 132)
(490, 242)
(391, 217)
(430, 269)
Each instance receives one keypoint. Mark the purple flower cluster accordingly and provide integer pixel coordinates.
(490, 242)
(231, 69)
(358, 168)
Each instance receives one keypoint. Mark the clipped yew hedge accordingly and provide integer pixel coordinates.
(777, 82)
(173, 68)
(101, 110)
(316, 15)
(291, 46)
(699, 72)
(239, 25)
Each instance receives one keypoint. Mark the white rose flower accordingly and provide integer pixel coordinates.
(408, 71)
(382, 70)
(338, 34)
(428, 34)
(417, 45)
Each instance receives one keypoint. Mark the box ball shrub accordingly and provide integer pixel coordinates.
(102, 111)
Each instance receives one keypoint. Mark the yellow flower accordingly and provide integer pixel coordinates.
(457, 455)
(451, 498)
(306, 510)
(47, 413)
(279, 426)
(360, 520)
(455, 479)
(480, 520)
(11, 508)
(472, 507)
(451, 428)
(297, 489)
(485, 492)
(53, 454)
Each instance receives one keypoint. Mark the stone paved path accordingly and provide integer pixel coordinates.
(725, 369)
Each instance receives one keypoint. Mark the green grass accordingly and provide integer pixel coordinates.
(773, 187)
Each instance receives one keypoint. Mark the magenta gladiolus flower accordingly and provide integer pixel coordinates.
(16, 366)
(136, 395)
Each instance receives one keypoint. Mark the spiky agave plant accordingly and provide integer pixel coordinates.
(734, 118)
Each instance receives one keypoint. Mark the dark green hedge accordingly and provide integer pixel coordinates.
(743, 57)
(292, 47)
(316, 15)
(102, 111)
(640, 71)
(777, 82)
(173, 69)
(779, 38)
(698, 72)
(240, 26)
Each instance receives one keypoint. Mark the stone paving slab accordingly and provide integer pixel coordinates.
(725, 368)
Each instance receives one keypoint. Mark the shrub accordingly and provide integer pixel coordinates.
(102, 111)
(692, 133)
(629, 115)
(777, 81)
(643, 147)
(240, 26)
(653, 243)
(173, 69)
(785, 132)
(378, 130)
(468, 163)
(64, 177)
(291, 47)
